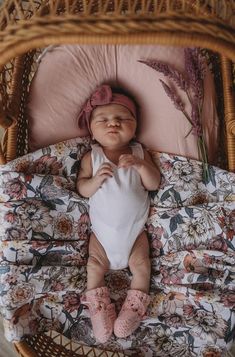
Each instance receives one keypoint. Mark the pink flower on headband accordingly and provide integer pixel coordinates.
(103, 96)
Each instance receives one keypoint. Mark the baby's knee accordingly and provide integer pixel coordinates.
(140, 264)
(97, 264)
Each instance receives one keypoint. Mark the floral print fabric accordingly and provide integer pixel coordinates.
(44, 230)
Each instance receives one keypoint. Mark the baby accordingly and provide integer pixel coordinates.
(116, 176)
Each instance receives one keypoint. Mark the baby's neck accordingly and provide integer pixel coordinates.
(116, 148)
(113, 154)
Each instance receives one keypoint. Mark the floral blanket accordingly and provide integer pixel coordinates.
(44, 231)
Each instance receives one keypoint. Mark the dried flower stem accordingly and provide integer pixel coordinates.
(195, 70)
(203, 156)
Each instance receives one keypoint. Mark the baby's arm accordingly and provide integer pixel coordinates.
(149, 173)
(87, 184)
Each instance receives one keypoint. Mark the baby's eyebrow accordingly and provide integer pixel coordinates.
(100, 114)
(118, 115)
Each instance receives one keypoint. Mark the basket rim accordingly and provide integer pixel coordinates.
(167, 38)
(176, 22)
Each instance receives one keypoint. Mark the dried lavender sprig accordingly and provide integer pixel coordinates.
(175, 98)
(194, 70)
(195, 74)
(195, 116)
(169, 72)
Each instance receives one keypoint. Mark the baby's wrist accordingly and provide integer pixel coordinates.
(140, 165)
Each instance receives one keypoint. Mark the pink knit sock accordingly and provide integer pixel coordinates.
(102, 313)
(131, 314)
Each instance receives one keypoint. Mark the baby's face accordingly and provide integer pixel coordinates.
(113, 125)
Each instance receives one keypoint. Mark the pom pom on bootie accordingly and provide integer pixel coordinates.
(102, 312)
(132, 313)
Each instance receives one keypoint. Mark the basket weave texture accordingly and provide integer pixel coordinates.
(53, 344)
(26, 26)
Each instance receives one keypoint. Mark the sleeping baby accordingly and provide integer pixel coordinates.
(116, 176)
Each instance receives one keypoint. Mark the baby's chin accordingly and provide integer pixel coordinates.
(113, 139)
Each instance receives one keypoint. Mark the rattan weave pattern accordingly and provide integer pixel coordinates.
(53, 344)
(28, 25)
(39, 21)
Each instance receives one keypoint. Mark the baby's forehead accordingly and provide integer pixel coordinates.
(111, 108)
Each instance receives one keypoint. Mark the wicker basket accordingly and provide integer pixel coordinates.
(29, 25)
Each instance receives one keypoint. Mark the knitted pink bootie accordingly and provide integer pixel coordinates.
(102, 313)
(131, 314)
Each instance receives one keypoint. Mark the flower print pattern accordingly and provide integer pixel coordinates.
(182, 184)
(82, 331)
(63, 226)
(193, 264)
(218, 243)
(173, 303)
(19, 294)
(155, 234)
(16, 189)
(45, 228)
(15, 234)
(22, 164)
(227, 298)
(117, 280)
(195, 230)
(185, 175)
(83, 226)
(211, 351)
(35, 215)
(171, 275)
(227, 223)
(46, 164)
(207, 325)
(71, 301)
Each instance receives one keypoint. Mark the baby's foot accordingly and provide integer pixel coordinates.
(131, 314)
(102, 313)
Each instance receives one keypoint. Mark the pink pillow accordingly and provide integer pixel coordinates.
(66, 77)
(68, 74)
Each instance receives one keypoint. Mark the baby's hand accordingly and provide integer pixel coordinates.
(128, 160)
(104, 171)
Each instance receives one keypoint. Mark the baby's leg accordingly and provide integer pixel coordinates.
(98, 264)
(139, 264)
(137, 300)
(102, 311)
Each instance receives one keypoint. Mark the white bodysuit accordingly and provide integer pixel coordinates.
(119, 209)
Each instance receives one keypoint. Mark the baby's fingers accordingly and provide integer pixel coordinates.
(105, 165)
(126, 161)
(105, 168)
(105, 171)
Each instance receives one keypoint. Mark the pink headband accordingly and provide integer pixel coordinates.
(103, 96)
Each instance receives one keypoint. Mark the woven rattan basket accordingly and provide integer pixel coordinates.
(29, 25)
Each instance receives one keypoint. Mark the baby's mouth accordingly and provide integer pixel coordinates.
(113, 132)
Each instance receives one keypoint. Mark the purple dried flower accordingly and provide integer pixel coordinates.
(197, 130)
(173, 96)
(169, 72)
(195, 117)
(194, 70)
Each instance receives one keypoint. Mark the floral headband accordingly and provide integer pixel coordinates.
(103, 96)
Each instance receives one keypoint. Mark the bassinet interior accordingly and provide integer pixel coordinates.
(27, 26)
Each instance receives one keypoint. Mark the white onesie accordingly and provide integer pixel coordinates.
(119, 209)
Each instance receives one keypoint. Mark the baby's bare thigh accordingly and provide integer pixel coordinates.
(140, 251)
(96, 250)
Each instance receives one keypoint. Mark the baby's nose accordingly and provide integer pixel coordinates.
(114, 122)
